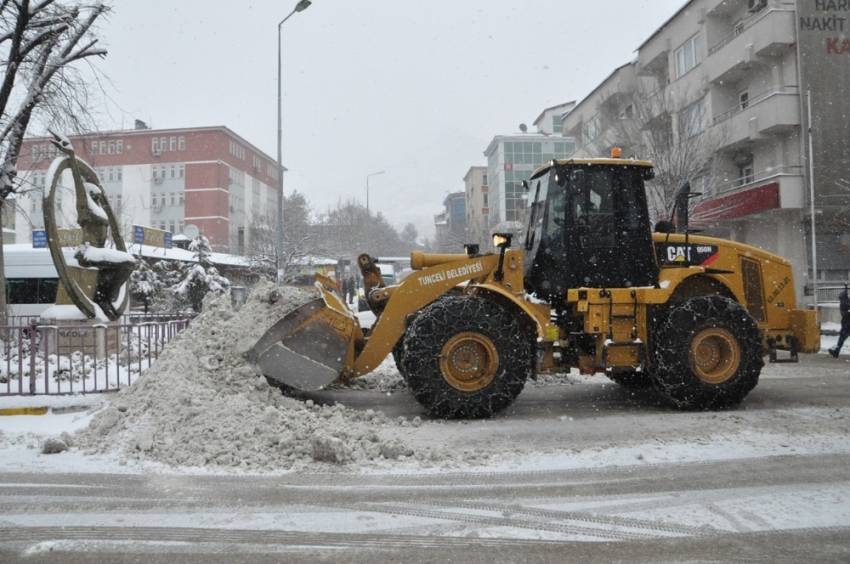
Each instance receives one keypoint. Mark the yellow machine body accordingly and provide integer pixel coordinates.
(323, 341)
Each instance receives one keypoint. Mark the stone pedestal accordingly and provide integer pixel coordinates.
(64, 334)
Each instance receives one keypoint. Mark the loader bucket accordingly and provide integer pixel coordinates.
(309, 348)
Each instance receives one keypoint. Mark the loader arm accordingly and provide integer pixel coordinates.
(415, 292)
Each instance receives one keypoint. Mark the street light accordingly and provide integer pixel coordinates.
(300, 7)
(368, 176)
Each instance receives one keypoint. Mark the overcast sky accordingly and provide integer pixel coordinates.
(416, 88)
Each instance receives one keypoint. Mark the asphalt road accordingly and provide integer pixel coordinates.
(782, 506)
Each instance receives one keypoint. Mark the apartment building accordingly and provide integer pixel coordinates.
(169, 179)
(450, 225)
(511, 159)
(477, 205)
(720, 96)
(550, 120)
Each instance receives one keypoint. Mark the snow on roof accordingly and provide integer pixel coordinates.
(311, 260)
(180, 237)
(148, 251)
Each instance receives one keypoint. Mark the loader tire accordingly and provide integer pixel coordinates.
(708, 354)
(467, 357)
(398, 349)
(630, 379)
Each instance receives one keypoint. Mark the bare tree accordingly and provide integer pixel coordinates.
(298, 241)
(349, 229)
(679, 139)
(41, 43)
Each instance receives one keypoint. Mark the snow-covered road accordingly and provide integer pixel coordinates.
(582, 469)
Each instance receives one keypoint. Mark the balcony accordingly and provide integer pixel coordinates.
(770, 113)
(653, 57)
(778, 188)
(764, 34)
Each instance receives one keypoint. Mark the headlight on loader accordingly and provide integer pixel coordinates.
(502, 240)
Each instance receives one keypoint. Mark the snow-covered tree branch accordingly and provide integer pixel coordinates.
(40, 43)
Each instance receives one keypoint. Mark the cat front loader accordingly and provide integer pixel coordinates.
(593, 287)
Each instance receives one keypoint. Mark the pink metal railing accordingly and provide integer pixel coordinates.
(53, 360)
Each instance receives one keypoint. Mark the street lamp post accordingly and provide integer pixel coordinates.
(300, 7)
(368, 176)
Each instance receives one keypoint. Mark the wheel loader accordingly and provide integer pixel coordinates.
(592, 287)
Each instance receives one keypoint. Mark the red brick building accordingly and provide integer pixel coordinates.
(209, 177)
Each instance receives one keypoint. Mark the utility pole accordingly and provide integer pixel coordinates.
(300, 7)
(368, 176)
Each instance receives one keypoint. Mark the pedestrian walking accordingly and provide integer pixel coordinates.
(352, 286)
(844, 305)
(346, 288)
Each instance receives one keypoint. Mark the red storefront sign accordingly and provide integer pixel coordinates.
(740, 204)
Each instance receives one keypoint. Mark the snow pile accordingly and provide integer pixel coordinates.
(202, 404)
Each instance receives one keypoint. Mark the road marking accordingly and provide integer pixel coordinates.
(9, 411)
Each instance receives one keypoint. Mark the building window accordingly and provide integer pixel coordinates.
(744, 100)
(182, 200)
(746, 175)
(119, 146)
(523, 153)
(172, 198)
(172, 171)
(237, 150)
(44, 151)
(155, 145)
(556, 124)
(693, 118)
(93, 148)
(181, 171)
(592, 128)
(172, 144)
(484, 181)
(181, 143)
(688, 55)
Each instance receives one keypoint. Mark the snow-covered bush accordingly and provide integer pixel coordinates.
(145, 284)
(201, 278)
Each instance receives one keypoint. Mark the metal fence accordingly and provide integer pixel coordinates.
(68, 359)
(828, 293)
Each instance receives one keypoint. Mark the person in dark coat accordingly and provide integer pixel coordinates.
(844, 305)
(352, 289)
(345, 288)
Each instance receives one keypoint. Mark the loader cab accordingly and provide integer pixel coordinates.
(588, 226)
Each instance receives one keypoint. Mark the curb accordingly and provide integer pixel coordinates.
(23, 411)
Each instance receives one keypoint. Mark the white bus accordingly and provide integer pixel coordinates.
(31, 279)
